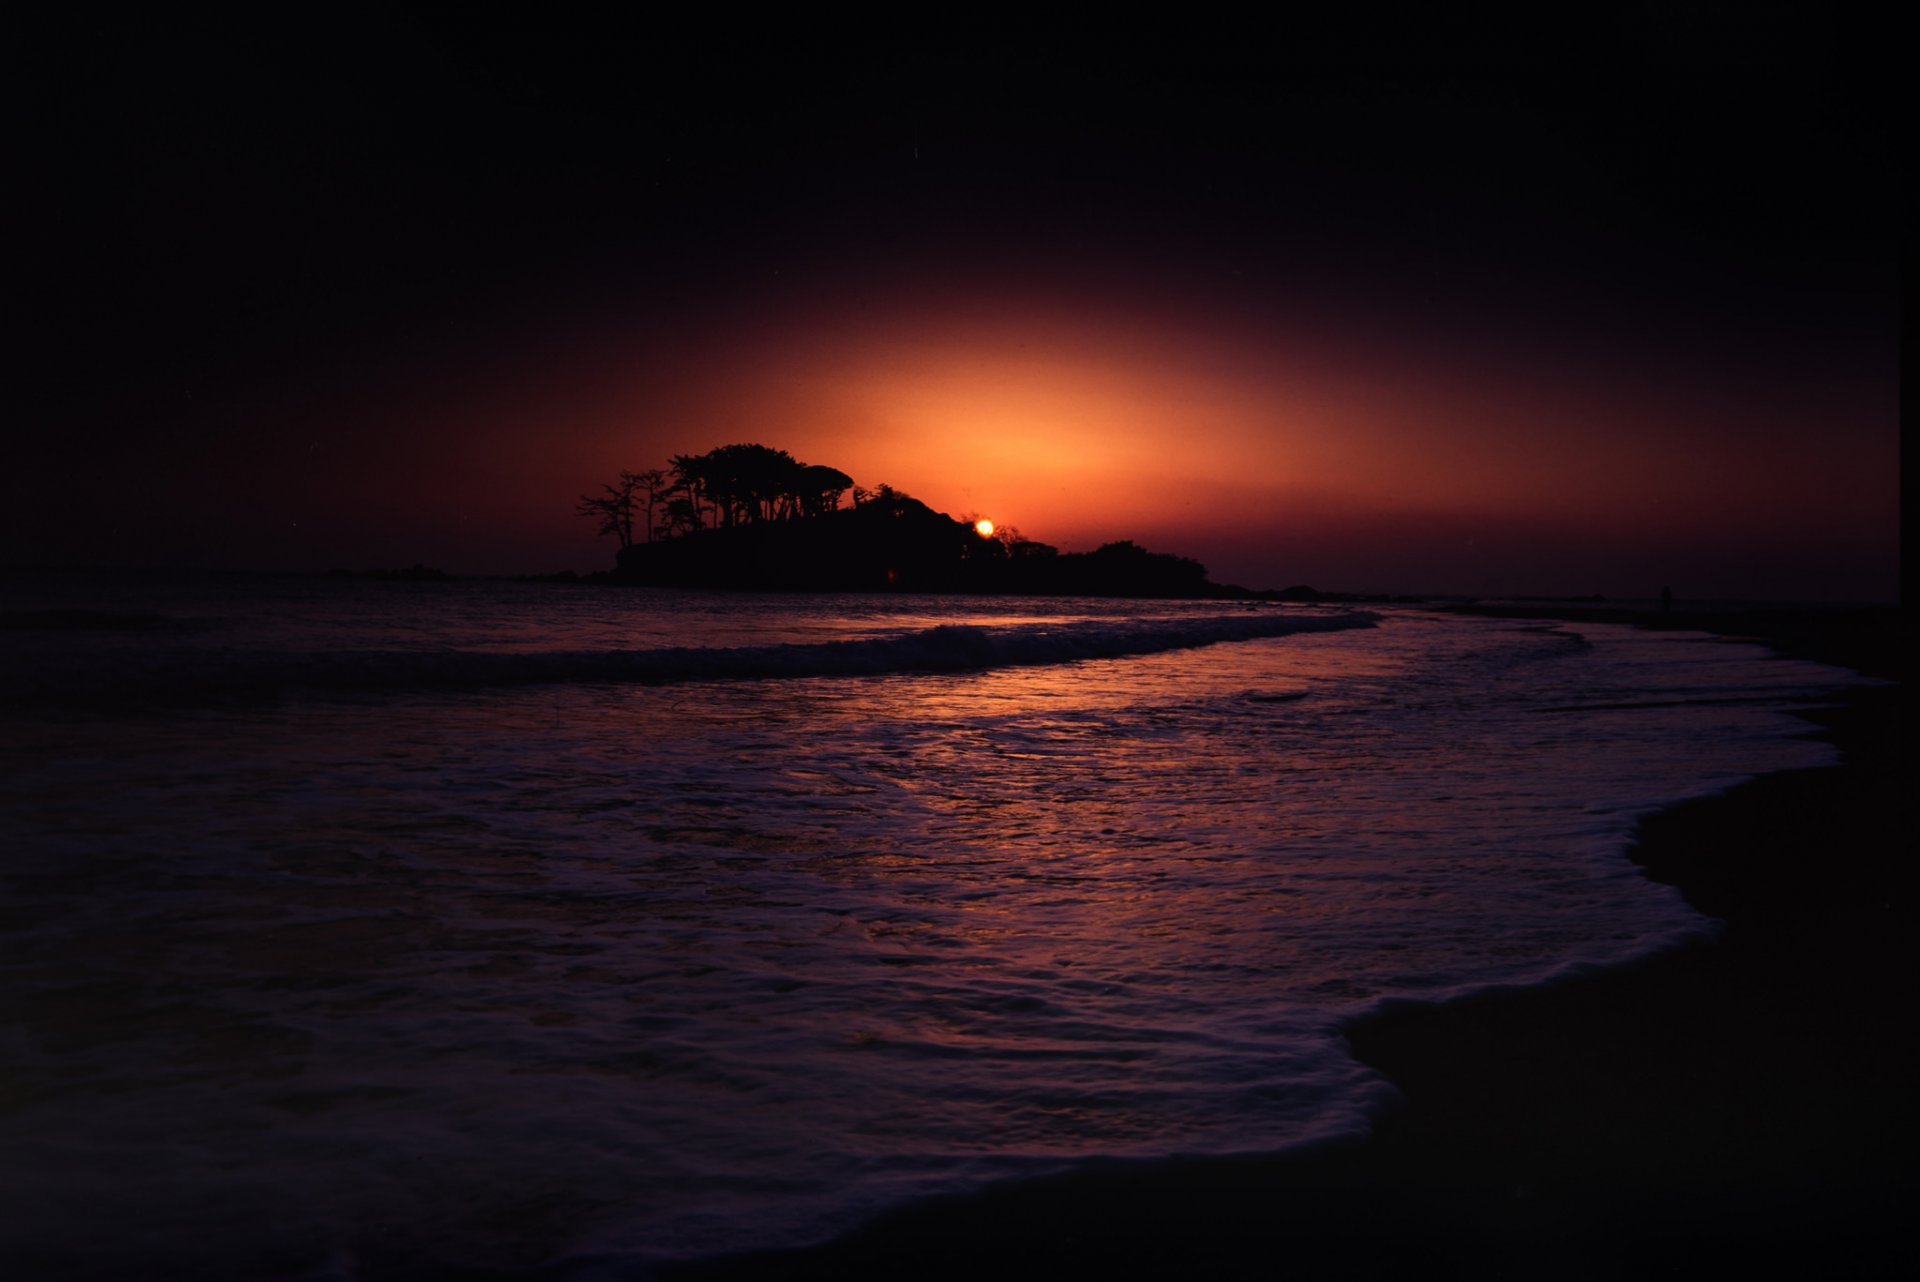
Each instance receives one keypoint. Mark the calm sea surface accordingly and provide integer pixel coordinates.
(350, 924)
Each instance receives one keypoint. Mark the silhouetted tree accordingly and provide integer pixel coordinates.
(690, 473)
(752, 482)
(681, 515)
(883, 495)
(820, 488)
(613, 508)
(653, 484)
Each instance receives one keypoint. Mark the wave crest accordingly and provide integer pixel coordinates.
(205, 676)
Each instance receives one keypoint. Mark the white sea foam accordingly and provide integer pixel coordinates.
(643, 967)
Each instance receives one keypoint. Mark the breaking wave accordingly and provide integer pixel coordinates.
(222, 676)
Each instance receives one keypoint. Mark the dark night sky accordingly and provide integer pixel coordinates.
(1451, 305)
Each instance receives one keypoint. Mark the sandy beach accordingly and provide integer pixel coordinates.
(1743, 1105)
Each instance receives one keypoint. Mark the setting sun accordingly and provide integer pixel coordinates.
(985, 527)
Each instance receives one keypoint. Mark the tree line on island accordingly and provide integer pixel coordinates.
(754, 517)
(725, 487)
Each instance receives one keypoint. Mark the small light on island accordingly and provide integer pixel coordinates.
(985, 527)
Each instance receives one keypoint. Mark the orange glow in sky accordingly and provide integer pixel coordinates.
(1452, 320)
(1285, 443)
(1284, 447)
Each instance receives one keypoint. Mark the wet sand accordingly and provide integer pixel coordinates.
(1744, 1105)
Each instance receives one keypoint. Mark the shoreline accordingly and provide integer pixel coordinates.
(1863, 638)
(1742, 1104)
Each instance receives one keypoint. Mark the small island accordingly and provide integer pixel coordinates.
(751, 517)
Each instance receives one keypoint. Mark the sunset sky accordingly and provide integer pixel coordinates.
(1451, 307)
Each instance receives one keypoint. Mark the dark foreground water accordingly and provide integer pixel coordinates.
(507, 924)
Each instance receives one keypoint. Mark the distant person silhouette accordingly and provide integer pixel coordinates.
(1666, 600)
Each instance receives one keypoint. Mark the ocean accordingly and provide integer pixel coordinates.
(352, 927)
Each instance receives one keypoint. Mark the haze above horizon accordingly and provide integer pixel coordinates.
(1452, 308)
